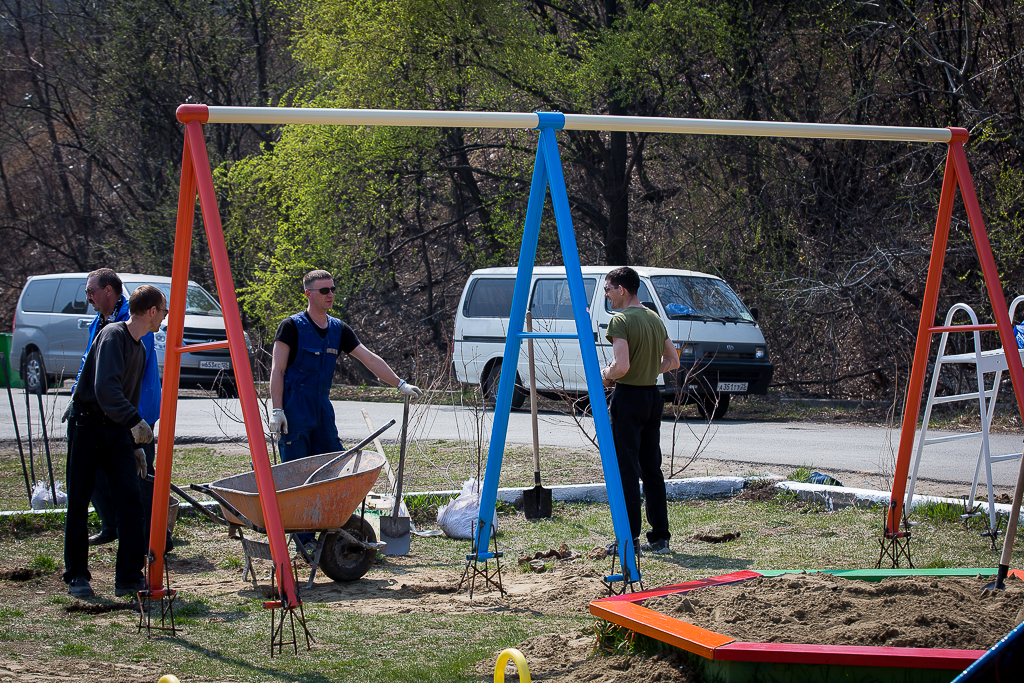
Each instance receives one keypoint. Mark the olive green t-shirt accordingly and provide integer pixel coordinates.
(645, 333)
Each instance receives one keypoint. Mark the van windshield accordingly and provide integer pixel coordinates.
(197, 302)
(699, 298)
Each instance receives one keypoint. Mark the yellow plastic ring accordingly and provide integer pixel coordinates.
(517, 657)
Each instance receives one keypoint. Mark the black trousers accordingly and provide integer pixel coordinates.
(106, 503)
(636, 429)
(97, 444)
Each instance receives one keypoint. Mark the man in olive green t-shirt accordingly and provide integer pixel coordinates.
(642, 350)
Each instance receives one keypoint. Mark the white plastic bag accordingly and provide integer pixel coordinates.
(459, 518)
(42, 497)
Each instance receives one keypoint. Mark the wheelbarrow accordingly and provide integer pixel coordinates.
(318, 495)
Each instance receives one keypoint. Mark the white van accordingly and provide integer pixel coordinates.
(721, 348)
(51, 331)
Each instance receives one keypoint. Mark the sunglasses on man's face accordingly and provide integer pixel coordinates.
(327, 290)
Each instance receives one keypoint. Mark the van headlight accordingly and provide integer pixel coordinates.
(684, 349)
(160, 338)
(759, 353)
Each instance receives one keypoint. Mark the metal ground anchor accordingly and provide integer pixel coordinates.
(895, 546)
(486, 574)
(277, 640)
(627, 585)
(148, 603)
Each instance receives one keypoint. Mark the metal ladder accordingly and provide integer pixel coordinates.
(985, 362)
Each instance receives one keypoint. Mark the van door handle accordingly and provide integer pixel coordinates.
(603, 326)
(83, 323)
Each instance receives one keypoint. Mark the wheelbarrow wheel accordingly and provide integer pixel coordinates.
(342, 560)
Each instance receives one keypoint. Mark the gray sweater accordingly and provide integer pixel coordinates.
(111, 377)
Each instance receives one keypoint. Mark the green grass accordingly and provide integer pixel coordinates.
(225, 631)
(802, 473)
(45, 564)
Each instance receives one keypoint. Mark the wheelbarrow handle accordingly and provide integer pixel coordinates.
(193, 502)
(355, 448)
(205, 489)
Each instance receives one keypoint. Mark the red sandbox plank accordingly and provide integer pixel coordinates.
(848, 655)
(735, 577)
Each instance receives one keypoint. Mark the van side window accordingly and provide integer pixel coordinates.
(643, 294)
(71, 297)
(551, 298)
(490, 298)
(38, 296)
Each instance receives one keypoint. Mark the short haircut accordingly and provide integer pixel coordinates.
(625, 277)
(108, 277)
(312, 276)
(144, 298)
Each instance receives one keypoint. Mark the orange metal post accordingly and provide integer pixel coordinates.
(957, 173)
(920, 364)
(196, 178)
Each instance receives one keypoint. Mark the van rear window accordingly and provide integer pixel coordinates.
(490, 298)
(38, 296)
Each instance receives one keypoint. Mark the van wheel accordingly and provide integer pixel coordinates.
(708, 409)
(33, 374)
(490, 387)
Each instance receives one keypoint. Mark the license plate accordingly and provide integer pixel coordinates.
(215, 364)
(732, 387)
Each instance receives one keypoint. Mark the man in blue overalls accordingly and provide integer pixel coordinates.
(306, 349)
(104, 290)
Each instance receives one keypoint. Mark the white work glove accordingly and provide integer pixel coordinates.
(142, 432)
(278, 423)
(140, 463)
(409, 389)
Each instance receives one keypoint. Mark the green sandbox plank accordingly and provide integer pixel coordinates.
(879, 574)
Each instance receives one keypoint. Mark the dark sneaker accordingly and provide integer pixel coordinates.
(121, 590)
(103, 537)
(80, 588)
(613, 547)
(656, 548)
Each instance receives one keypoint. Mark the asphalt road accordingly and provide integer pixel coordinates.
(738, 444)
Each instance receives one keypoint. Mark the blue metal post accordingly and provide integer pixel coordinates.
(547, 171)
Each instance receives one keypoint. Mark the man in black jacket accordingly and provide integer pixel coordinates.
(104, 429)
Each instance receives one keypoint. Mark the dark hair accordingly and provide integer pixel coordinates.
(107, 277)
(312, 276)
(625, 277)
(144, 298)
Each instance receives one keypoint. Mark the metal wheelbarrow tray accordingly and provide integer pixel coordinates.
(346, 543)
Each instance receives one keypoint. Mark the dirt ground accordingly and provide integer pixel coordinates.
(823, 609)
(566, 586)
(915, 612)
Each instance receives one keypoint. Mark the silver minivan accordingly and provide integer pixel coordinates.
(51, 330)
(721, 349)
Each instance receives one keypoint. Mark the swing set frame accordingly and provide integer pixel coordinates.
(197, 180)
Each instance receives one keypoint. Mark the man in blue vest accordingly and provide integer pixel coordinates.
(104, 290)
(306, 349)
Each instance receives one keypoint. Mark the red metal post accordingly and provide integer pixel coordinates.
(957, 174)
(196, 178)
(172, 370)
(917, 371)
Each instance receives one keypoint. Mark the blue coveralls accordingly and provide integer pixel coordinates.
(307, 383)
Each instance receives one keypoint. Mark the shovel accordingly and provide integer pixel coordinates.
(536, 501)
(394, 530)
(1011, 533)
